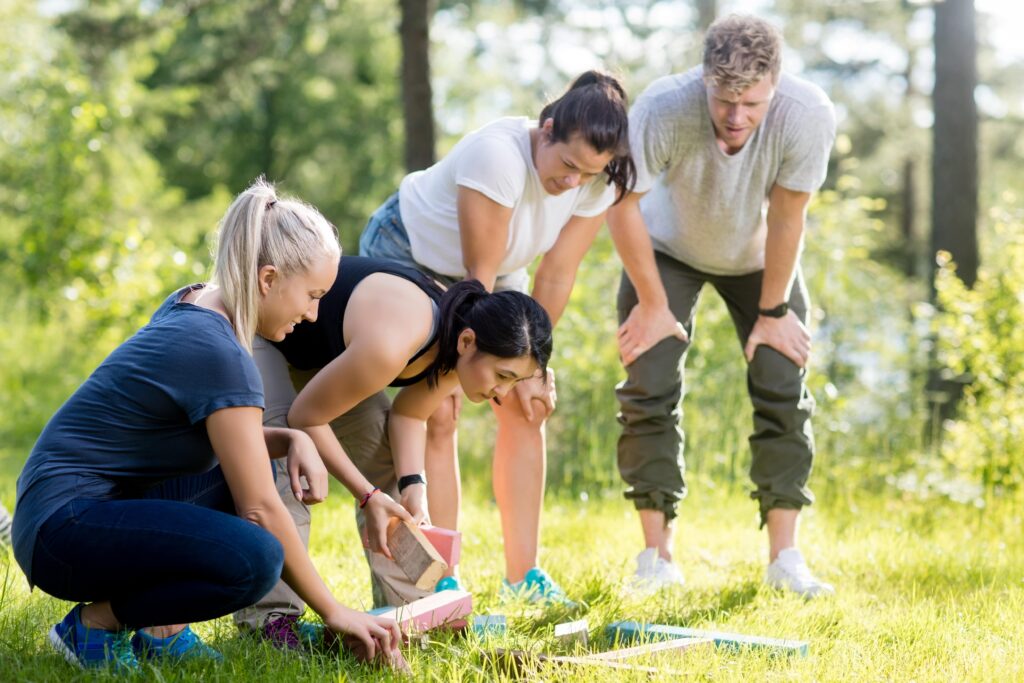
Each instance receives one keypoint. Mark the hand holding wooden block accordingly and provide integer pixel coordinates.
(416, 556)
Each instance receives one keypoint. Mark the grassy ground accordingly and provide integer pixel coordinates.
(926, 591)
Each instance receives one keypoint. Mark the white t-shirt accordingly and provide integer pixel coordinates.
(707, 208)
(497, 162)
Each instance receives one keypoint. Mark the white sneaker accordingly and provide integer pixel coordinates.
(668, 573)
(654, 573)
(646, 574)
(790, 572)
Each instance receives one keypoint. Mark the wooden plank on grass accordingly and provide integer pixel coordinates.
(677, 645)
(628, 631)
(572, 632)
(520, 661)
(447, 609)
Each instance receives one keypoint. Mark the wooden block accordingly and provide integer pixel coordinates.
(677, 646)
(495, 624)
(520, 661)
(627, 631)
(445, 609)
(446, 541)
(414, 554)
(572, 632)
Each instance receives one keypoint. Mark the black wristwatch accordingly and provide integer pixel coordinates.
(779, 311)
(409, 480)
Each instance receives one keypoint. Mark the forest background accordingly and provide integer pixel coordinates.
(126, 127)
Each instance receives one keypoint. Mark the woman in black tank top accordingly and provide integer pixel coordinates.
(386, 324)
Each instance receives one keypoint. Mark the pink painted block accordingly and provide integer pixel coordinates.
(446, 541)
(447, 608)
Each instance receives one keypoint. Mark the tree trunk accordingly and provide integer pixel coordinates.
(908, 217)
(954, 172)
(955, 138)
(416, 92)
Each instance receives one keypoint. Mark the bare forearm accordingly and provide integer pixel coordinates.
(486, 275)
(337, 461)
(552, 292)
(782, 250)
(278, 440)
(408, 443)
(298, 571)
(633, 244)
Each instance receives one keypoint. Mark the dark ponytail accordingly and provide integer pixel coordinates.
(507, 325)
(595, 107)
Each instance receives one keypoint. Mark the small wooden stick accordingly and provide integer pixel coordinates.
(677, 645)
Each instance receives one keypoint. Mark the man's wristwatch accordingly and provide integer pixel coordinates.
(409, 480)
(779, 311)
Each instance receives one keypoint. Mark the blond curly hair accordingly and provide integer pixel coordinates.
(739, 51)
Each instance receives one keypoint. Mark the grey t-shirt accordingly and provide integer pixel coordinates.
(707, 208)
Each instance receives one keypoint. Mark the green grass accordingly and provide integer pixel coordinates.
(927, 590)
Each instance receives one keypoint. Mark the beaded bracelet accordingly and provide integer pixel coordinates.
(366, 497)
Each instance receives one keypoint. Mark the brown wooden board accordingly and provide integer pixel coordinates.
(520, 662)
(678, 645)
(416, 556)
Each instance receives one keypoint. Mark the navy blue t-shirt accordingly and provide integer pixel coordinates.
(139, 418)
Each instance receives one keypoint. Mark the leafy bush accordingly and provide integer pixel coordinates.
(980, 334)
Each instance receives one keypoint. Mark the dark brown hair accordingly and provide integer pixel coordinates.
(595, 107)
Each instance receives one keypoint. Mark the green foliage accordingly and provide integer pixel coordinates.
(304, 92)
(980, 335)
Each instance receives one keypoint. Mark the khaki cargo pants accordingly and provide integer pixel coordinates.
(363, 434)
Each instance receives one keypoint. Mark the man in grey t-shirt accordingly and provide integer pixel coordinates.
(728, 155)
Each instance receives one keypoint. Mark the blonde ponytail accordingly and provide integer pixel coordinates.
(261, 229)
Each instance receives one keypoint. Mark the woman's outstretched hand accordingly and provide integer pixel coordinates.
(370, 638)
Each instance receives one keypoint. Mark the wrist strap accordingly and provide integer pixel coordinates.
(409, 480)
(366, 497)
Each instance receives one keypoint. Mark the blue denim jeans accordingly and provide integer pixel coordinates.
(385, 236)
(171, 554)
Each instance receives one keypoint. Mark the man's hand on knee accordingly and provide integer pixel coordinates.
(644, 328)
(787, 335)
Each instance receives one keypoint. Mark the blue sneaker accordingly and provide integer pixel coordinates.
(449, 583)
(92, 647)
(185, 645)
(536, 586)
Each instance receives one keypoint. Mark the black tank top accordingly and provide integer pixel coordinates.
(314, 345)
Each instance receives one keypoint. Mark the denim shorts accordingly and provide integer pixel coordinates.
(385, 236)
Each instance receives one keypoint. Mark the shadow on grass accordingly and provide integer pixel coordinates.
(711, 605)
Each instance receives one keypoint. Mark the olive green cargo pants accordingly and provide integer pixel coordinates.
(650, 449)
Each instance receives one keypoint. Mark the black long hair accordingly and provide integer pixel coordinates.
(595, 106)
(507, 325)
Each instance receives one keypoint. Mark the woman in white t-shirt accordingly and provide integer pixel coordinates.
(507, 193)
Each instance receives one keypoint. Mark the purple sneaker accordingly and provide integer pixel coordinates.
(286, 632)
